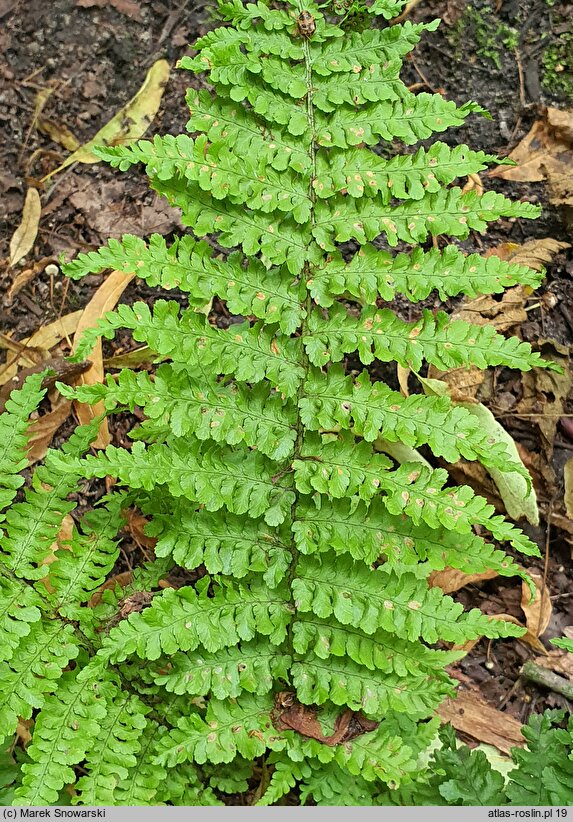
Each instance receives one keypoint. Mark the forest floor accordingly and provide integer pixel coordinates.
(69, 65)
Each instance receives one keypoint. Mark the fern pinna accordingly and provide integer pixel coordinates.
(302, 651)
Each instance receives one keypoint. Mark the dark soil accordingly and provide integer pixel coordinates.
(98, 57)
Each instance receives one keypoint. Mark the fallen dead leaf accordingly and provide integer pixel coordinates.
(136, 523)
(450, 579)
(403, 374)
(57, 132)
(544, 393)
(42, 430)
(35, 349)
(535, 253)
(25, 235)
(130, 123)
(545, 153)
(25, 276)
(104, 300)
(537, 612)
(127, 7)
(123, 579)
(472, 715)
(560, 661)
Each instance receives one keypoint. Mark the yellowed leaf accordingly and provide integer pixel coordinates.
(130, 123)
(25, 235)
(42, 430)
(104, 300)
(537, 612)
(403, 374)
(450, 579)
(58, 133)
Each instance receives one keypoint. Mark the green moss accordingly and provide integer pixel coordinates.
(490, 35)
(558, 66)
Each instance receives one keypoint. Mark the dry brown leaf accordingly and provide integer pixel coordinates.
(537, 613)
(25, 276)
(25, 235)
(403, 374)
(23, 728)
(42, 430)
(535, 253)
(559, 660)
(544, 393)
(36, 348)
(545, 153)
(104, 300)
(474, 183)
(472, 715)
(136, 523)
(450, 579)
(568, 482)
(127, 7)
(130, 123)
(123, 579)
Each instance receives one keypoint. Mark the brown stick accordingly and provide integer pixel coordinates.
(543, 676)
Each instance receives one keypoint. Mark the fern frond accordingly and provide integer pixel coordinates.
(185, 619)
(229, 727)
(248, 353)
(250, 666)
(361, 173)
(372, 273)
(436, 339)
(234, 546)
(140, 787)
(330, 785)
(207, 409)
(64, 730)
(243, 482)
(343, 682)
(114, 750)
(368, 408)
(368, 532)
(14, 422)
(409, 119)
(20, 608)
(399, 604)
(34, 670)
(82, 565)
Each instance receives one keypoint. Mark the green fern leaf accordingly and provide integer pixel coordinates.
(400, 604)
(19, 609)
(249, 353)
(211, 476)
(544, 775)
(229, 728)
(64, 730)
(372, 272)
(13, 436)
(251, 666)
(233, 546)
(439, 340)
(115, 749)
(141, 785)
(186, 619)
(34, 670)
(205, 408)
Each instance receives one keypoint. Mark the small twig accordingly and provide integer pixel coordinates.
(521, 78)
(543, 676)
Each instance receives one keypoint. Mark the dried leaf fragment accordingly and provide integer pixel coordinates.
(130, 123)
(25, 235)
